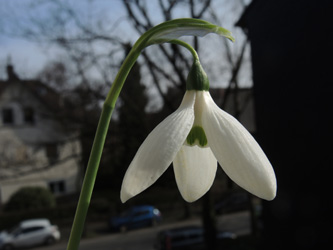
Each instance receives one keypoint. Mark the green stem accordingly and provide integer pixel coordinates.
(129, 62)
(90, 177)
(97, 149)
(187, 46)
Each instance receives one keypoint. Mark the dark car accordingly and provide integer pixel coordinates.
(186, 238)
(136, 217)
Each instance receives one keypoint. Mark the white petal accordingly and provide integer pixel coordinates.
(238, 153)
(159, 149)
(195, 170)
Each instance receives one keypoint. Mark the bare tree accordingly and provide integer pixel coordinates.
(94, 43)
(89, 43)
(165, 66)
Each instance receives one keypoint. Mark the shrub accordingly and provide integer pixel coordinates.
(29, 198)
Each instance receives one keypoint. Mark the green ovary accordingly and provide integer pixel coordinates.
(197, 136)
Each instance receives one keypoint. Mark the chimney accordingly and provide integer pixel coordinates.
(11, 75)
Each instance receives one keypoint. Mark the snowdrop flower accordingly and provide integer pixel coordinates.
(194, 138)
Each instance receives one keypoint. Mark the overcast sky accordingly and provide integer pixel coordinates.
(30, 57)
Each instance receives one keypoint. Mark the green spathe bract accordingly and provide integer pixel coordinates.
(197, 78)
(197, 136)
(176, 28)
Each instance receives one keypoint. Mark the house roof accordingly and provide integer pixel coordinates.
(242, 20)
(46, 95)
(3, 85)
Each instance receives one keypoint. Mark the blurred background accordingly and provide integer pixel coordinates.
(57, 62)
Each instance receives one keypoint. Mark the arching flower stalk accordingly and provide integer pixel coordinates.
(187, 137)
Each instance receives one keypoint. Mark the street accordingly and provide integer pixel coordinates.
(238, 223)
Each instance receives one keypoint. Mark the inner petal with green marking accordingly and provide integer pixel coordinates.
(197, 136)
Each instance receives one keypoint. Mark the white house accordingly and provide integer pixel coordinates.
(36, 147)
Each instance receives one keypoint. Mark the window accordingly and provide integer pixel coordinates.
(58, 187)
(140, 213)
(28, 115)
(52, 152)
(7, 116)
(32, 229)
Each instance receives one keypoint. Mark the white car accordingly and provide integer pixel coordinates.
(30, 233)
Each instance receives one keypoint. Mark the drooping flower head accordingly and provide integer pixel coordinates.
(194, 138)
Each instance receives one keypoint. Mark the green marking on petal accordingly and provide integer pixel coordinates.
(197, 136)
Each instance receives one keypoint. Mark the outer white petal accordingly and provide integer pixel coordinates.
(195, 170)
(238, 153)
(159, 149)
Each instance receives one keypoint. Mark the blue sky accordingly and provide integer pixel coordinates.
(30, 57)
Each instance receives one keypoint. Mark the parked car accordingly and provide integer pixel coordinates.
(187, 238)
(136, 217)
(29, 233)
